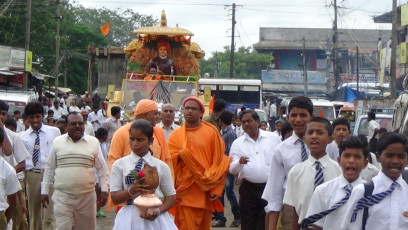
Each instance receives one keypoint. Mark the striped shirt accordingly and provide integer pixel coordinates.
(229, 136)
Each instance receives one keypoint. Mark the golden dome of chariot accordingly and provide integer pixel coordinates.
(163, 29)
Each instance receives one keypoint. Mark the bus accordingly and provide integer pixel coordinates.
(236, 92)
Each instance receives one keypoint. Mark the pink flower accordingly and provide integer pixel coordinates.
(140, 174)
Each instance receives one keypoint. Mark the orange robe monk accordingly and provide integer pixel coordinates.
(200, 169)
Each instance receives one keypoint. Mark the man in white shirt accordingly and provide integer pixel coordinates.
(329, 202)
(58, 111)
(373, 125)
(167, 120)
(95, 117)
(390, 209)
(38, 139)
(88, 126)
(70, 167)
(238, 127)
(112, 124)
(251, 155)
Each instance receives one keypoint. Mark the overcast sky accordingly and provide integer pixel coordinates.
(210, 20)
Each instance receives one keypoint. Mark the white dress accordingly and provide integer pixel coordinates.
(128, 218)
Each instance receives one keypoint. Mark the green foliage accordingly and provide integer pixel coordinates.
(79, 28)
(248, 63)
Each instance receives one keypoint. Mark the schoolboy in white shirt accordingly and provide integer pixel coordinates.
(312, 172)
(8, 189)
(328, 205)
(287, 154)
(388, 202)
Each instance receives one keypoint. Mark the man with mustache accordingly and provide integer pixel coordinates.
(70, 167)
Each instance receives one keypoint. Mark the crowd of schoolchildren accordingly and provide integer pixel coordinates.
(306, 174)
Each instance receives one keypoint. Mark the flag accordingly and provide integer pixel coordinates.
(211, 105)
(105, 29)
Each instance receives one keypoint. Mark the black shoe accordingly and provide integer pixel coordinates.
(219, 223)
(235, 223)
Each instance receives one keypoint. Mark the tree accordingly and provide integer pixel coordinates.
(248, 63)
(79, 28)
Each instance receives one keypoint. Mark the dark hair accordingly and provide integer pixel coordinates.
(95, 106)
(219, 105)
(115, 110)
(325, 122)
(254, 114)
(10, 122)
(3, 106)
(391, 138)
(16, 112)
(61, 121)
(353, 142)
(341, 121)
(371, 115)
(301, 102)
(50, 111)
(286, 127)
(226, 117)
(34, 107)
(363, 139)
(101, 132)
(73, 113)
(382, 130)
(1, 136)
(144, 126)
(263, 122)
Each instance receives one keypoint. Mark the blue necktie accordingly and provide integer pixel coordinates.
(304, 152)
(36, 152)
(371, 200)
(319, 175)
(129, 179)
(313, 218)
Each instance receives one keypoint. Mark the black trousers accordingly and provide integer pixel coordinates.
(251, 205)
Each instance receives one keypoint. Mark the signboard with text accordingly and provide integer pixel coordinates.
(293, 77)
(5, 57)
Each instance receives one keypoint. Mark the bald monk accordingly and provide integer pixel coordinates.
(200, 167)
(148, 110)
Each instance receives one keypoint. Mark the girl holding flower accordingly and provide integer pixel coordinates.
(124, 187)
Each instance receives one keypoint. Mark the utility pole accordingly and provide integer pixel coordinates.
(65, 69)
(393, 66)
(217, 69)
(232, 39)
(232, 42)
(358, 65)
(57, 46)
(335, 47)
(304, 67)
(27, 41)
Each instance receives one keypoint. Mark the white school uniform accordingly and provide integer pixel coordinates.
(327, 195)
(9, 183)
(286, 155)
(302, 176)
(128, 218)
(390, 214)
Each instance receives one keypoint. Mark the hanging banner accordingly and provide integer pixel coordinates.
(28, 61)
(404, 15)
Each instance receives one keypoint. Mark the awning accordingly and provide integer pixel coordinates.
(41, 76)
(8, 73)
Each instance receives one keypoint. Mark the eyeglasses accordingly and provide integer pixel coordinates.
(79, 123)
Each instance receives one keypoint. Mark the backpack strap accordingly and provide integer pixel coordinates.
(368, 190)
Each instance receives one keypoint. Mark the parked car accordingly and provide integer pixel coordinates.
(361, 126)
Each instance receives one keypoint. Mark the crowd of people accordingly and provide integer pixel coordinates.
(69, 161)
